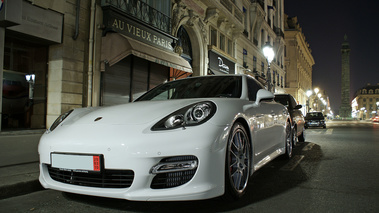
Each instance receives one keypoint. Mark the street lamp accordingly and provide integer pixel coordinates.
(269, 54)
(316, 90)
(309, 93)
(31, 80)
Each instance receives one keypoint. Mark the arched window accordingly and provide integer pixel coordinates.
(185, 42)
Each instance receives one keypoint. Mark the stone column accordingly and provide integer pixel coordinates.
(345, 109)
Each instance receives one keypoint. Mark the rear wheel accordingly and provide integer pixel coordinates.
(289, 146)
(294, 136)
(237, 163)
(302, 136)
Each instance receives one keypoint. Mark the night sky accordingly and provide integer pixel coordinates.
(324, 24)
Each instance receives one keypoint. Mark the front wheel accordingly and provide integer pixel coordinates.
(237, 163)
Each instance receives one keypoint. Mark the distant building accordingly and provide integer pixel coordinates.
(298, 61)
(366, 102)
(345, 109)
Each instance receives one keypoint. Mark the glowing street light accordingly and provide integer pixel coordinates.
(316, 90)
(269, 54)
(31, 80)
(309, 93)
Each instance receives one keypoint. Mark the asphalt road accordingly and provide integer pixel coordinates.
(335, 170)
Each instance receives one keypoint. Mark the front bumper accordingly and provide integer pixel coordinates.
(315, 124)
(131, 150)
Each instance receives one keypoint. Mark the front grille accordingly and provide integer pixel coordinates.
(173, 179)
(105, 179)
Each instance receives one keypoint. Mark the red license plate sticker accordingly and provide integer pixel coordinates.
(96, 163)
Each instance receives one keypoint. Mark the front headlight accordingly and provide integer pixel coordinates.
(59, 120)
(191, 115)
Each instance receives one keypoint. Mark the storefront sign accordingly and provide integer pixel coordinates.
(113, 21)
(219, 63)
(10, 12)
(40, 23)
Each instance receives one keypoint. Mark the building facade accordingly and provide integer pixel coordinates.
(365, 104)
(84, 53)
(264, 24)
(298, 61)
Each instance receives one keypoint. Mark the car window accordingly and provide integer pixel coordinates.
(314, 115)
(202, 87)
(253, 87)
(293, 102)
(282, 99)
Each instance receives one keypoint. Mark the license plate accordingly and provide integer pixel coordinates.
(76, 163)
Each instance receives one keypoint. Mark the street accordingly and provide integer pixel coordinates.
(335, 170)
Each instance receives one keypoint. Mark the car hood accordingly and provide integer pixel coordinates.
(135, 113)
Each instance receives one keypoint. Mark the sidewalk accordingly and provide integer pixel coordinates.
(19, 179)
(19, 169)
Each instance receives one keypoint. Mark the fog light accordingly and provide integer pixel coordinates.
(165, 167)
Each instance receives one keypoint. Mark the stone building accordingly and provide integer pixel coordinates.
(365, 104)
(298, 61)
(85, 53)
(264, 23)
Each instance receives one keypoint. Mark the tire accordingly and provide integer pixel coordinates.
(302, 136)
(237, 163)
(295, 139)
(288, 145)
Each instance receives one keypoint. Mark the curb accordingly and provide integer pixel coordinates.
(20, 189)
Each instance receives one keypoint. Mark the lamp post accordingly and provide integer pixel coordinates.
(269, 54)
(31, 80)
(309, 93)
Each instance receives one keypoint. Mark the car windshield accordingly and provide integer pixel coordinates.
(201, 87)
(314, 115)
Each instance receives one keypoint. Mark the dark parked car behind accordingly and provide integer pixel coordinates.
(315, 119)
(297, 117)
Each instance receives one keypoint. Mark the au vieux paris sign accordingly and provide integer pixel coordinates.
(117, 23)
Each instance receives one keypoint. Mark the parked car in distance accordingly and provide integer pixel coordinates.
(375, 119)
(315, 119)
(297, 117)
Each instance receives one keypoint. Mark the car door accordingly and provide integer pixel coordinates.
(265, 116)
(297, 115)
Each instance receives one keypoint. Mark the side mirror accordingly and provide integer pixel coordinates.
(262, 95)
(298, 107)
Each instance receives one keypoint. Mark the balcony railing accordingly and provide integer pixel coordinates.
(278, 31)
(142, 12)
(232, 9)
(255, 42)
(260, 2)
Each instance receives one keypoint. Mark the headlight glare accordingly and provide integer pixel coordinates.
(191, 115)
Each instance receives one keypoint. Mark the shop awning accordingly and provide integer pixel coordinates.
(116, 47)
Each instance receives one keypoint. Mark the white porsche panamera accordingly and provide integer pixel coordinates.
(189, 139)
